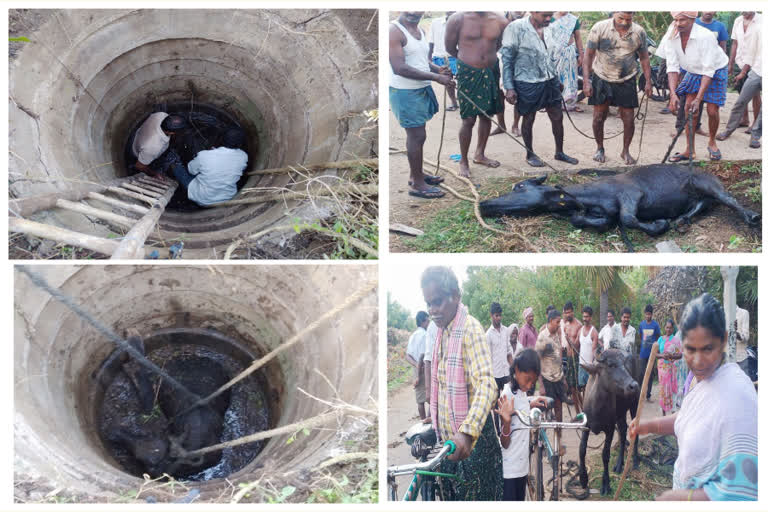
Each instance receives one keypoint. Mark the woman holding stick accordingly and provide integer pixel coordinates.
(716, 428)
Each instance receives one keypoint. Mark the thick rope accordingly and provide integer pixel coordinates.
(299, 336)
(638, 116)
(442, 130)
(40, 282)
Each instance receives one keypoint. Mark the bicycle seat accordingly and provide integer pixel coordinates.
(424, 432)
(550, 402)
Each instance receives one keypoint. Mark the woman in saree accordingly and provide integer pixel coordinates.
(670, 352)
(563, 38)
(716, 428)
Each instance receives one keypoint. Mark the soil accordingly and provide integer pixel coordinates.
(709, 233)
(402, 414)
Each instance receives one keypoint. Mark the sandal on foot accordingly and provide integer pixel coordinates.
(754, 142)
(534, 161)
(722, 136)
(452, 108)
(430, 193)
(430, 179)
(665, 110)
(714, 155)
(565, 158)
(679, 157)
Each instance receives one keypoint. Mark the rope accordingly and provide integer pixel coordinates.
(365, 290)
(40, 282)
(638, 116)
(442, 130)
(642, 126)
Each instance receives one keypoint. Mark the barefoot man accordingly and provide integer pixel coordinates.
(530, 80)
(474, 38)
(613, 47)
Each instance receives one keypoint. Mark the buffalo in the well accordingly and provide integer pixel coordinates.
(650, 198)
(611, 391)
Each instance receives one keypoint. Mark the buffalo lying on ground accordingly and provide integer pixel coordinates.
(611, 391)
(650, 198)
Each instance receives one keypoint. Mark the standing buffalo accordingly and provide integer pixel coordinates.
(649, 198)
(611, 391)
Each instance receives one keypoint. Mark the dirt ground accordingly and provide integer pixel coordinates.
(402, 413)
(710, 233)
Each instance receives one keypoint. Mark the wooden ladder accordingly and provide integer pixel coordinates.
(138, 189)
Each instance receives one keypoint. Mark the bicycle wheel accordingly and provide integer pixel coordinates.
(540, 455)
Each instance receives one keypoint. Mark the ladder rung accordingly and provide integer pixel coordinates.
(157, 181)
(141, 190)
(95, 212)
(132, 245)
(128, 193)
(117, 203)
(149, 186)
(61, 235)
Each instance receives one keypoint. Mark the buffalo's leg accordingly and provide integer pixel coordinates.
(583, 477)
(628, 217)
(711, 187)
(601, 224)
(605, 489)
(621, 424)
(699, 207)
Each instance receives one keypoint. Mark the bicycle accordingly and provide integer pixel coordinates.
(423, 441)
(538, 422)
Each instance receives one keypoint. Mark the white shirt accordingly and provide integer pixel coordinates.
(755, 52)
(150, 141)
(515, 458)
(742, 328)
(437, 37)
(216, 174)
(498, 341)
(585, 345)
(416, 56)
(609, 334)
(430, 340)
(702, 56)
(416, 343)
(627, 341)
(745, 51)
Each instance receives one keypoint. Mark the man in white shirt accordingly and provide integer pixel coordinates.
(212, 176)
(695, 49)
(414, 354)
(627, 333)
(752, 75)
(151, 141)
(429, 347)
(501, 351)
(439, 55)
(745, 29)
(609, 334)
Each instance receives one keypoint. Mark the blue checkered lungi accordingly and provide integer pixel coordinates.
(715, 92)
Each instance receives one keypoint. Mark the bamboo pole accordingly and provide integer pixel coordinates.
(61, 235)
(128, 193)
(132, 246)
(643, 388)
(367, 190)
(117, 203)
(142, 190)
(149, 186)
(341, 164)
(95, 212)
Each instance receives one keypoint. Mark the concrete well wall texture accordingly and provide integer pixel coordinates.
(294, 79)
(56, 354)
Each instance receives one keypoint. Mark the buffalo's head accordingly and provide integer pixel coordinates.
(612, 373)
(530, 197)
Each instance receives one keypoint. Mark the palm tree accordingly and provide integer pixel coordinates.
(608, 284)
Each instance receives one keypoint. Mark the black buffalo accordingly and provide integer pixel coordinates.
(649, 198)
(611, 391)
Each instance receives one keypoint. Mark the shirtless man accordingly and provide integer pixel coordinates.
(571, 347)
(474, 38)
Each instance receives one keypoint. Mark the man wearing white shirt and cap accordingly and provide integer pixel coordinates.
(695, 49)
(414, 354)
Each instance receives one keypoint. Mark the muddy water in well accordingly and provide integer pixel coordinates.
(142, 421)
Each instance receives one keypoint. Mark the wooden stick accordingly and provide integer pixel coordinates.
(142, 190)
(117, 203)
(134, 195)
(61, 235)
(341, 164)
(367, 190)
(95, 212)
(643, 388)
(132, 246)
(26, 206)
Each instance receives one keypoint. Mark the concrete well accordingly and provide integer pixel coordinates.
(293, 79)
(56, 355)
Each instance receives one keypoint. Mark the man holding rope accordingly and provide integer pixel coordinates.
(474, 38)
(613, 47)
(531, 82)
(411, 97)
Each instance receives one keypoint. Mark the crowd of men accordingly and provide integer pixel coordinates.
(205, 156)
(462, 371)
(536, 58)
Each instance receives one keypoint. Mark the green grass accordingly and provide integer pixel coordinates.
(398, 371)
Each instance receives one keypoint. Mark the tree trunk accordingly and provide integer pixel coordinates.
(604, 308)
(729, 304)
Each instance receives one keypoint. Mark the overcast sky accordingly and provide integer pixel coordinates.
(404, 284)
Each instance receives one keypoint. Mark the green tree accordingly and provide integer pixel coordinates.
(399, 317)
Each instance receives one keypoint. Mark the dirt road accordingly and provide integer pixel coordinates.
(708, 233)
(402, 413)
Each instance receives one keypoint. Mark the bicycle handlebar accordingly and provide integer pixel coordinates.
(533, 420)
(448, 448)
